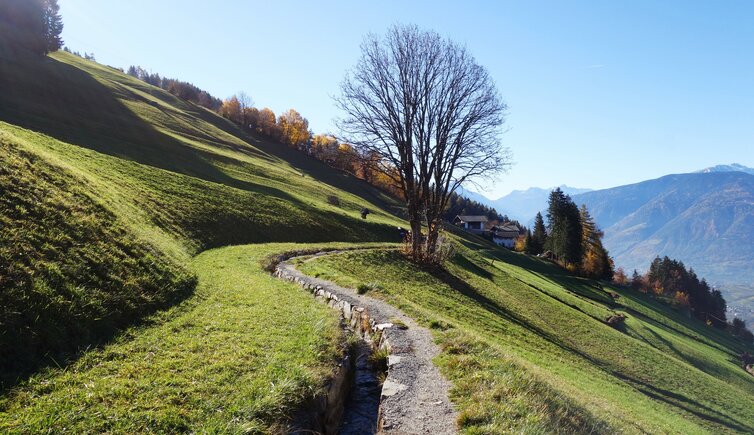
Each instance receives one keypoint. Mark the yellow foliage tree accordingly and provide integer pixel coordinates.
(294, 128)
(681, 299)
(266, 122)
(325, 148)
(231, 109)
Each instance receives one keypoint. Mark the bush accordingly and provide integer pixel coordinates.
(333, 200)
(444, 251)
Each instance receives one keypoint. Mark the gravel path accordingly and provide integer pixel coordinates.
(414, 395)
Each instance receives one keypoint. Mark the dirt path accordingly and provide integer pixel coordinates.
(414, 395)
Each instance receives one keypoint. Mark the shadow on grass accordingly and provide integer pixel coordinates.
(68, 103)
(687, 404)
(18, 364)
(722, 342)
(674, 399)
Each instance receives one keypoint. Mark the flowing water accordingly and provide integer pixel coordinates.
(362, 407)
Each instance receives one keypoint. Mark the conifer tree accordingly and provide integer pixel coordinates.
(564, 228)
(529, 243)
(539, 237)
(33, 25)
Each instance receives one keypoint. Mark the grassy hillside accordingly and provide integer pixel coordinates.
(528, 350)
(237, 357)
(71, 274)
(110, 189)
(132, 299)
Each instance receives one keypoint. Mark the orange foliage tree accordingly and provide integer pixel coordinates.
(294, 129)
(231, 109)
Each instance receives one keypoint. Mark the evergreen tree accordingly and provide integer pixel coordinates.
(636, 280)
(539, 237)
(529, 243)
(33, 25)
(564, 228)
(53, 25)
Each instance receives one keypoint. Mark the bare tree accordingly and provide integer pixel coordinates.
(246, 103)
(423, 104)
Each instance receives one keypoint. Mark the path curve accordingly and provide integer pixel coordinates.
(414, 395)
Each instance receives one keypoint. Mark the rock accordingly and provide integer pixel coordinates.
(381, 326)
(390, 388)
(393, 360)
(346, 310)
(616, 320)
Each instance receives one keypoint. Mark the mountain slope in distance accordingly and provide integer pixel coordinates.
(705, 219)
(521, 205)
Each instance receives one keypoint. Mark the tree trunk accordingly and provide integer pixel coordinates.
(416, 235)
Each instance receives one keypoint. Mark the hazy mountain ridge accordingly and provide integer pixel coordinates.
(733, 167)
(521, 205)
(705, 219)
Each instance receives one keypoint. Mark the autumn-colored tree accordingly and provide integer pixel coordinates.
(620, 278)
(266, 124)
(368, 165)
(251, 116)
(324, 148)
(596, 263)
(294, 129)
(346, 157)
(519, 245)
(231, 109)
(681, 299)
(244, 104)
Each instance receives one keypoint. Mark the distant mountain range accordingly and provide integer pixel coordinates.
(705, 219)
(521, 205)
(733, 167)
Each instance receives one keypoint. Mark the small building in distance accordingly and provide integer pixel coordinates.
(505, 234)
(472, 224)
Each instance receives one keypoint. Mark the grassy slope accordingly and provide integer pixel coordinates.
(138, 182)
(527, 349)
(71, 274)
(223, 361)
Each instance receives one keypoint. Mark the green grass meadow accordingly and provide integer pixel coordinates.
(118, 314)
(528, 350)
(133, 229)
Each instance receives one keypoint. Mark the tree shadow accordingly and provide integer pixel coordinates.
(18, 367)
(687, 404)
(674, 399)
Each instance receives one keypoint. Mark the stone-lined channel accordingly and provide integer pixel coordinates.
(413, 398)
(362, 408)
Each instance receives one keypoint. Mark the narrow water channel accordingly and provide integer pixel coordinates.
(362, 407)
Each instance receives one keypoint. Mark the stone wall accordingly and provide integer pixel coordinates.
(326, 413)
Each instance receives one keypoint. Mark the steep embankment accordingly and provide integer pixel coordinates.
(109, 188)
(71, 273)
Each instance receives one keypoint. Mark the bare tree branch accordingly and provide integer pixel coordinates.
(424, 106)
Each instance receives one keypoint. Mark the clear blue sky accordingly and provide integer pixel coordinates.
(600, 93)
